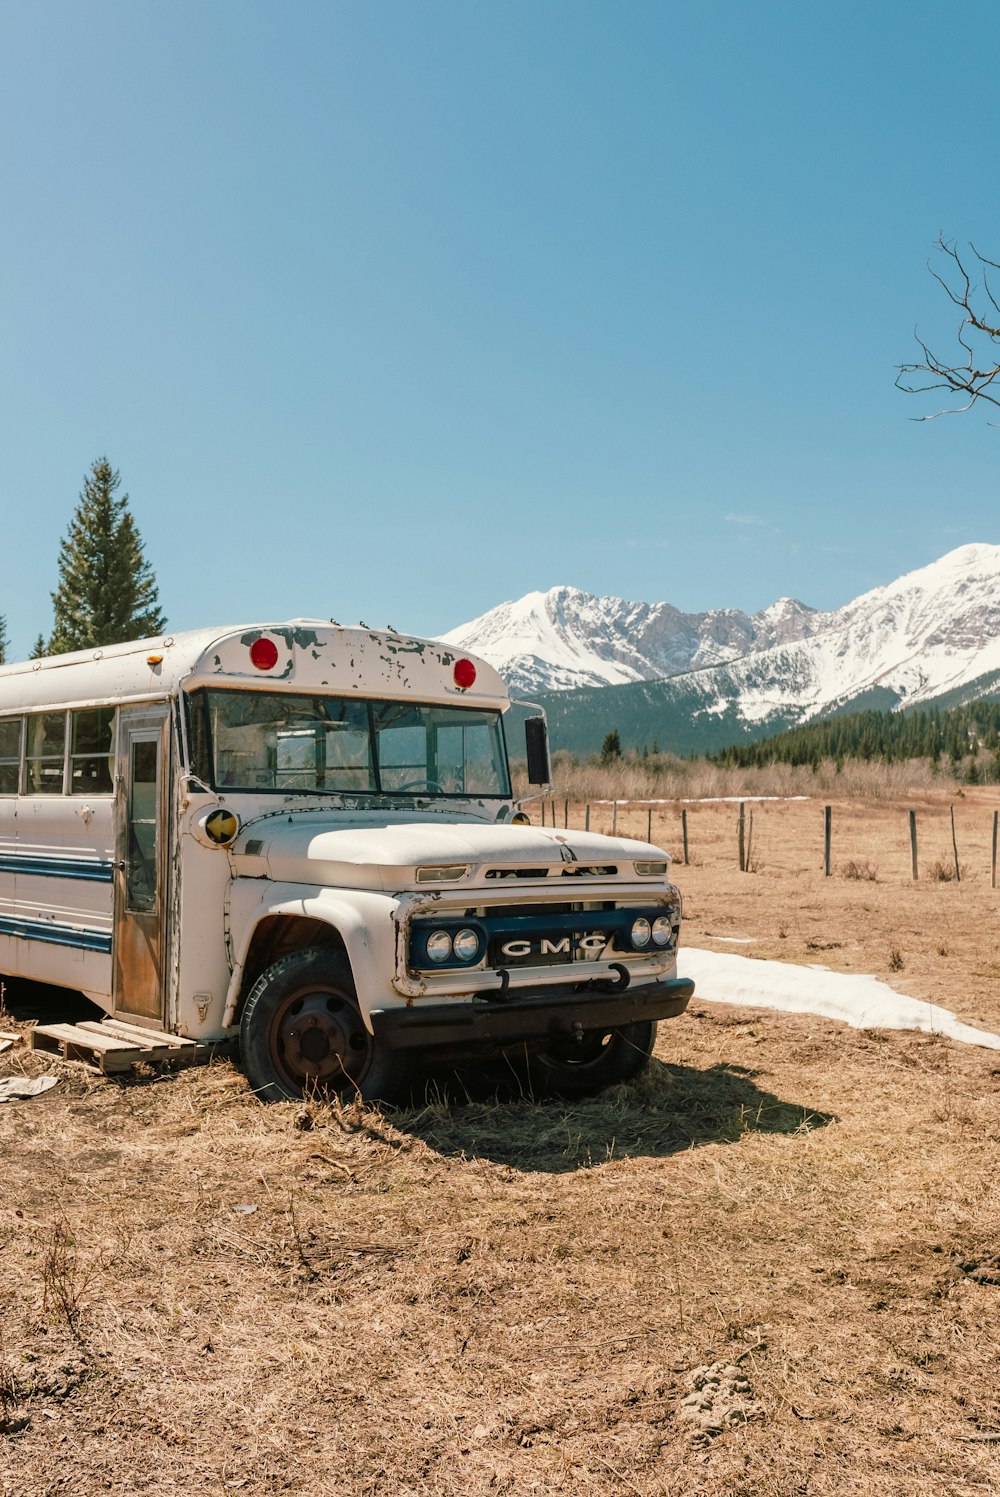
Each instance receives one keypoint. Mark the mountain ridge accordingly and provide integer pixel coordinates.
(566, 638)
(931, 633)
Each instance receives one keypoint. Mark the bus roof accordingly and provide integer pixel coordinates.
(301, 655)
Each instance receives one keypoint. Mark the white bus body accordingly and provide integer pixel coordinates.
(305, 835)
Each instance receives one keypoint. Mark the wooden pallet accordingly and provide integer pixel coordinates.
(114, 1046)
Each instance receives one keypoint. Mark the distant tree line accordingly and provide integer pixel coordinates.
(106, 591)
(965, 738)
(961, 735)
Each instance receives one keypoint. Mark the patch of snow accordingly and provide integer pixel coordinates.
(735, 800)
(703, 800)
(861, 1001)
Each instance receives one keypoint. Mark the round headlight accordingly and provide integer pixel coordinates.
(640, 932)
(466, 944)
(439, 946)
(663, 931)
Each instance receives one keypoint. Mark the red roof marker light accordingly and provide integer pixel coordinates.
(465, 674)
(264, 654)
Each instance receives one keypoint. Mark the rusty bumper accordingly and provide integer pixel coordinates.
(525, 1017)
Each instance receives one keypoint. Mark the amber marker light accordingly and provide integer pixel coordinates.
(221, 826)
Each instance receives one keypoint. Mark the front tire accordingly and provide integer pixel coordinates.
(580, 1068)
(302, 1034)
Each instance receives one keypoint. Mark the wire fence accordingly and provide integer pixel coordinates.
(941, 841)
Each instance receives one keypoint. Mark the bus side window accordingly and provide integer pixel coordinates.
(45, 752)
(10, 754)
(92, 751)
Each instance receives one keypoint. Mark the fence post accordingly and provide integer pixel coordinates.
(954, 845)
(913, 842)
(614, 818)
(742, 838)
(827, 838)
(565, 813)
(684, 830)
(993, 866)
(649, 824)
(586, 824)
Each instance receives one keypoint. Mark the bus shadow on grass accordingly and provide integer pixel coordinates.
(490, 1111)
(670, 1109)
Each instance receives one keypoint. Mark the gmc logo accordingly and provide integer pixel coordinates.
(592, 945)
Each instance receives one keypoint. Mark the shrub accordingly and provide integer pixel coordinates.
(859, 868)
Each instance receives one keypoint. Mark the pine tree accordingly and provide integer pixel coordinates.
(4, 643)
(107, 592)
(41, 649)
(611, 748)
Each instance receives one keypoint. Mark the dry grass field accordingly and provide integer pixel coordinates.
(771, 1267)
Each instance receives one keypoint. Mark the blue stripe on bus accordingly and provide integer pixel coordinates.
(85, 868)
(56, 935)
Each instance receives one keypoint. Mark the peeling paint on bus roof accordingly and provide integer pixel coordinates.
(304, 638)
(412, 646)
(351, 661)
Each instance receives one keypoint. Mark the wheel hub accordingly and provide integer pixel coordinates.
(319, 1040)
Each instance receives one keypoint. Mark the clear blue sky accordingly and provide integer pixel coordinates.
(395, 310)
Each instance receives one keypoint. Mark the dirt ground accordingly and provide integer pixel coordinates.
(770, 1267)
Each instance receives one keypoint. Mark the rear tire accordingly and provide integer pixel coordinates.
(302, 1034)
(602, 1058)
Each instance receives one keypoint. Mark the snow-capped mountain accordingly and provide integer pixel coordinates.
(931, 632)
(932, 635)
(566, 638)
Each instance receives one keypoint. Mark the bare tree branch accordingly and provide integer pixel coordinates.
(977, 336)
(994, 264)
(987, 288)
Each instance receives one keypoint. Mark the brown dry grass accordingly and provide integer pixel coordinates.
(666, 777)
(494, 1295)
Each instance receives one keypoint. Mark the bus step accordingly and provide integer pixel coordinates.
(114, 1046)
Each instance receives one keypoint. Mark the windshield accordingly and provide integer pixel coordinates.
(263, 741)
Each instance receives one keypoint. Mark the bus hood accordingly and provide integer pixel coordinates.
(376, 852)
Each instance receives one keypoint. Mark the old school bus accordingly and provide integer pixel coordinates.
(305, 836)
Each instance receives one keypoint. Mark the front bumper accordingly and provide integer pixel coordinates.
(526, 1016)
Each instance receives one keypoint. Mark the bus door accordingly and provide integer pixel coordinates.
(141, 796)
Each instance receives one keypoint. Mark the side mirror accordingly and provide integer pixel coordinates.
(536, 742)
